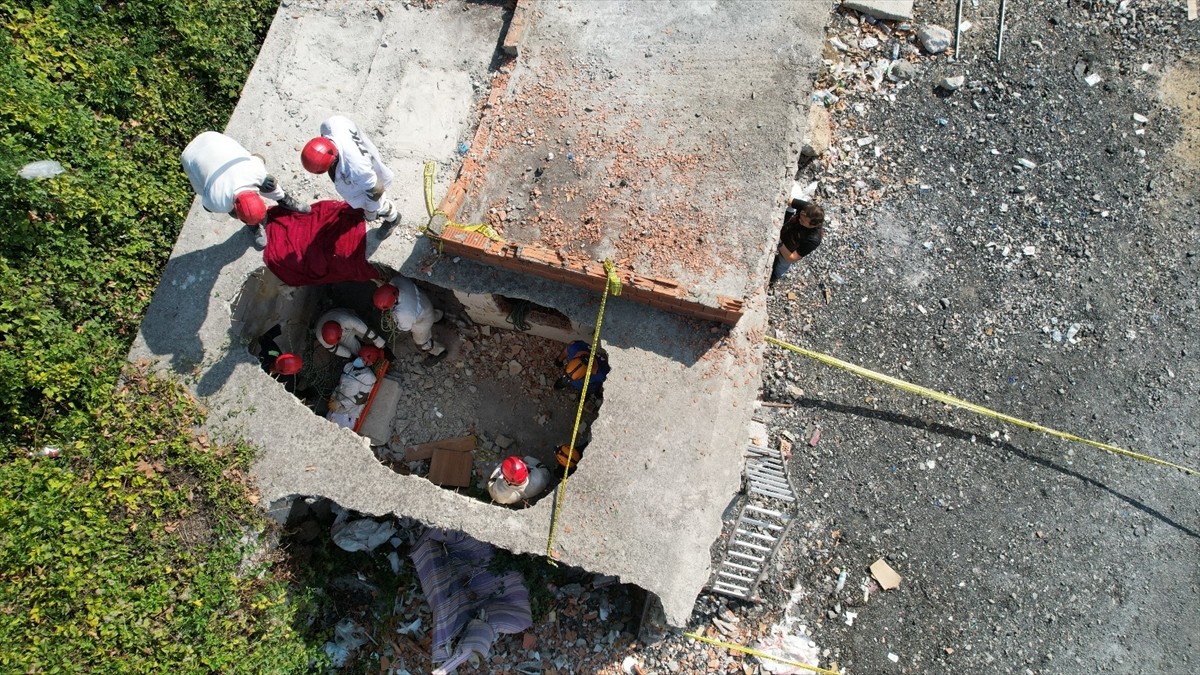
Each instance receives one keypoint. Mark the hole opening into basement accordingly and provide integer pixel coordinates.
(494, 392)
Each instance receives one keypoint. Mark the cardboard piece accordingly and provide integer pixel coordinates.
(417, 453)
(885, 575)
(451, 468)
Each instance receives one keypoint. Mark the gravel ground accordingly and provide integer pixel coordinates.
(1027, 242)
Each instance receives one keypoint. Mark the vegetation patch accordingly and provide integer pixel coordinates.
(128, 548)
(128, 551)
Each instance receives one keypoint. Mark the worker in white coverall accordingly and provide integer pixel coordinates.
(359, 175)
(410, 310)
(344, 334)
(516, 480)
(230, 180)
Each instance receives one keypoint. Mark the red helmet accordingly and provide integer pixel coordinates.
(331, 332)
(318, 155)
(249, 208)
(370, 354)
(514, 471)
(385, 296)
(287, 364)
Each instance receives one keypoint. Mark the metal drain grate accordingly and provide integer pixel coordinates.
(761, 524)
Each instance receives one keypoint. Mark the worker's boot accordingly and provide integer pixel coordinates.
(292, 204)
(387, 227)
(433, 348)
(438, 315)
(260, 236)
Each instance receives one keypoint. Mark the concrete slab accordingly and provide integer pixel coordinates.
(889, 10)
(665, 456)
(648, 133)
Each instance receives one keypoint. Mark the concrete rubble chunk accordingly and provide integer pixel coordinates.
(952, 83)
(888, 10)
(820, 132)
(902, 71)
(934, 38)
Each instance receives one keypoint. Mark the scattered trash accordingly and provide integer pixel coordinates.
(816, 438)
(464, 148)
(46, 168)
(893, 658)
(1140, 119)
(841, 582)
(849, 617)
(364, 534)
(51, 451)
(792, 646)
(1093, 79)
(347, 637)
(885, 575)
(630, 666)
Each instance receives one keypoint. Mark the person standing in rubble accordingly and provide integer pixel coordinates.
(410, 310)
(354, 165)
(228, 179)
(803, 228)
(574, 362)
(344, 334)
(517, 480)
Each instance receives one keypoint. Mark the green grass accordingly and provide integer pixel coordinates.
(123, 554)
(124, 551)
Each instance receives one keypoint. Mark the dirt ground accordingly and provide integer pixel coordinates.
(1027, 242)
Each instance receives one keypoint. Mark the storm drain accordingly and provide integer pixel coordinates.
(761, 524)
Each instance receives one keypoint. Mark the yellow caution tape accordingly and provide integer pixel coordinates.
(482, 228)
(957, 402)
(762, 655)
(613, 286)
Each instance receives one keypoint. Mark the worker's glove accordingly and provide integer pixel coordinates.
(359, 363)
(269, 184)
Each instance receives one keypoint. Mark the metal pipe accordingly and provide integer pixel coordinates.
(957, 29)
(1000, 35)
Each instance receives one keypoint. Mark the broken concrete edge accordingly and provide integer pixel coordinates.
(588, 274)
(887, 10)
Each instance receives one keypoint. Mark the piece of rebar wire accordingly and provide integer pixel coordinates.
(957, 29)
(1000, 34)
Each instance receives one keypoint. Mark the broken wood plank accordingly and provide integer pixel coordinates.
(424, 451)
(451, 468)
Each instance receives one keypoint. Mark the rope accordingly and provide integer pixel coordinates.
(761, 655)
(613, 286)
(966, 405)
(482, 228)
(520, 308)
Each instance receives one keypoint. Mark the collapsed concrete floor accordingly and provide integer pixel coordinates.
(494, 384)
(666, 450)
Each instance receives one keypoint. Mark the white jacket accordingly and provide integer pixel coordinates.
(355, 333)
(410, 305)
(504, 493)
(359, 167)
(219, 168)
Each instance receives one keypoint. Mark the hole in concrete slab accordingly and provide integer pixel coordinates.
(494, 383)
